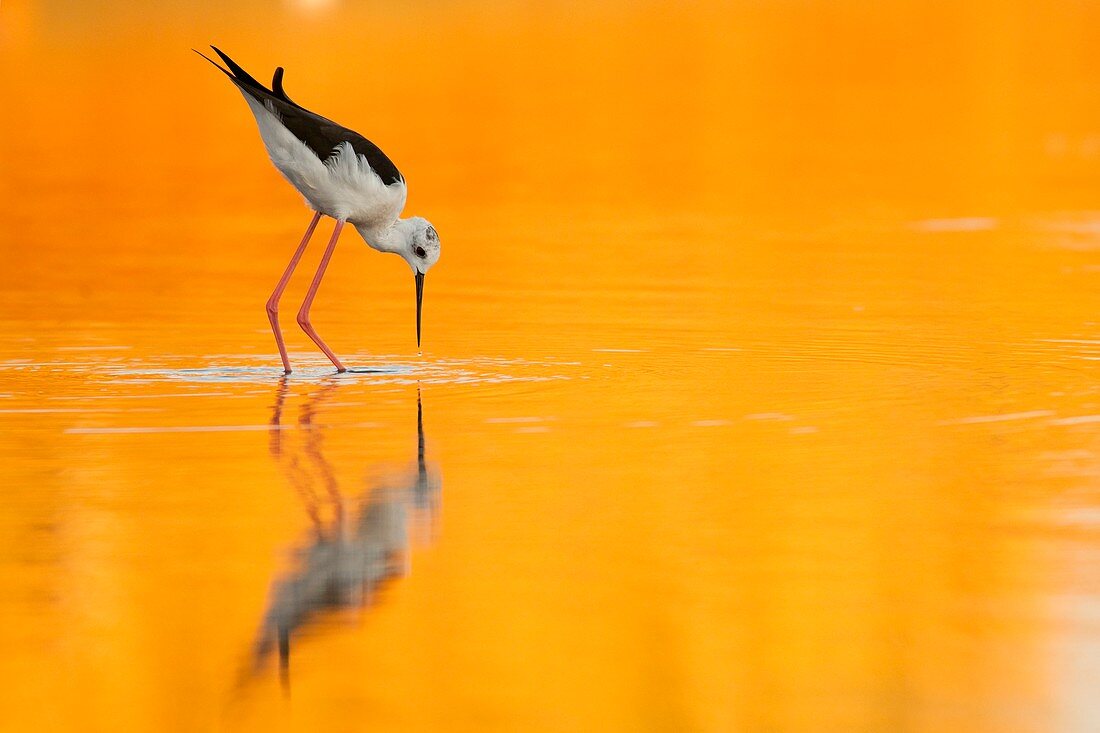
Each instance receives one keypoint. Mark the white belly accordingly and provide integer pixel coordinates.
(343, 187)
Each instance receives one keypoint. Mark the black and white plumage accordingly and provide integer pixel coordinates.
(342, 175)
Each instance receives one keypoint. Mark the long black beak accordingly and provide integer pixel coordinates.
(419, 304)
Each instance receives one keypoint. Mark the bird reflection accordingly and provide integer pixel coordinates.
(355, 545)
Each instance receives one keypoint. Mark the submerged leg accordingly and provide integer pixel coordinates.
(273, 301)
(303, 312)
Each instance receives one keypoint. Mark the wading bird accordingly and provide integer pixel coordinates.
(342, 175)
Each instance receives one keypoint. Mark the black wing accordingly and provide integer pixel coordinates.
(321, 135)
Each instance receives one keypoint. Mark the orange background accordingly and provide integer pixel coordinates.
(758, 375)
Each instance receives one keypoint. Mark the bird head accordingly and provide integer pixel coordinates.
(421, 245)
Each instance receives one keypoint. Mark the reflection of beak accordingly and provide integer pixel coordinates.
(419, 304)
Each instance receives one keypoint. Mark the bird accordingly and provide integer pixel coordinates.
(342, 175)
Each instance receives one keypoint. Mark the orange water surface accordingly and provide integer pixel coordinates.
(760, 387)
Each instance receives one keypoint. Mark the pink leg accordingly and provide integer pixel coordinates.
(303, 312)
(273, 301)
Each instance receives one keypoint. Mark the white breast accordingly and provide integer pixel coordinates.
(343, 187)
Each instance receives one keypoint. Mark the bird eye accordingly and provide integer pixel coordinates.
(420, 252)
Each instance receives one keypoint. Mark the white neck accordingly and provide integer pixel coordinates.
(391, 238)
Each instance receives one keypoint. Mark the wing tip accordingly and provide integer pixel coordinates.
(214, 63)
(237, 72)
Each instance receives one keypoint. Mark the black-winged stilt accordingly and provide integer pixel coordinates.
(341, 174)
